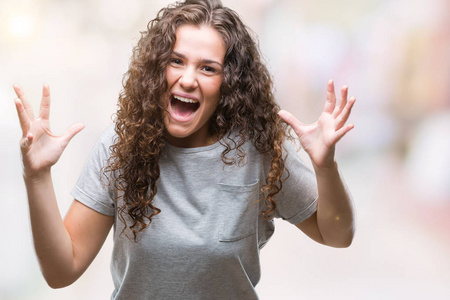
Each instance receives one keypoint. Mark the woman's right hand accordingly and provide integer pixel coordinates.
(40, 148)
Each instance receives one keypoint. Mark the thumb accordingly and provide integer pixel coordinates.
(71, 132)
(26, 142)
(291, 120)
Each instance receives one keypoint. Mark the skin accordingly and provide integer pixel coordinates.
(195, 72)
(333, 222)
(65, 248)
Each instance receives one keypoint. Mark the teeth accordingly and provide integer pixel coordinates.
(182, 99)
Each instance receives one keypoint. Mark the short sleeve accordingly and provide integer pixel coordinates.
(297, 199)
(92, 187)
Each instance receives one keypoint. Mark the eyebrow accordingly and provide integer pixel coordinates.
(206, 61)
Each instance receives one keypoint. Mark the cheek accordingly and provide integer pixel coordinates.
(170, 76)
(214, 88)
(214, 103)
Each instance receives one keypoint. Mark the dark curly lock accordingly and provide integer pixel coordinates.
(247, 107)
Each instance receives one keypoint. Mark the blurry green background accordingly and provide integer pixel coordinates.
(394, 55)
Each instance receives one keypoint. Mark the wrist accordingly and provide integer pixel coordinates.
(36, 176)
(331, 167)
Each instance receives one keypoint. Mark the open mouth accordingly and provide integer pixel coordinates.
(183, 107)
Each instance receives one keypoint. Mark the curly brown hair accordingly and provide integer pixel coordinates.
(247, 107)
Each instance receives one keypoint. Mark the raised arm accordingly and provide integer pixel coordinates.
(64, 248)
(333, 223)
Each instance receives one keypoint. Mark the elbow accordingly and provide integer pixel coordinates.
(344, 244)
(55, 285)
(340, 244)
(58, 276)
(58, 282)
(346, 241)
(343, 241)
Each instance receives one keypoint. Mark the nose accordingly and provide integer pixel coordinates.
(188, 79)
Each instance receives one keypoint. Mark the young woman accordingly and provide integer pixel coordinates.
(192, 172)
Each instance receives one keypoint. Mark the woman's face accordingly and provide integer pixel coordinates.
(194, 76)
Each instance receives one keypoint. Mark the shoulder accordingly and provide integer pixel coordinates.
(104, 142)
(107, 138)
(109, 135)
(290, 145)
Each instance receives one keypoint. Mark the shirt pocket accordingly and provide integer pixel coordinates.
(239, 211)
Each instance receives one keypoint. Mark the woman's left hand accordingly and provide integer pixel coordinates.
(319, 138)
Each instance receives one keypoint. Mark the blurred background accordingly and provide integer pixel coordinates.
(394, 55)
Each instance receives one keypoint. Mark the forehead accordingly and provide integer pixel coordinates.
(199, 42)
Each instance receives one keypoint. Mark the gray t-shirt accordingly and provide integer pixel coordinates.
(205, 242)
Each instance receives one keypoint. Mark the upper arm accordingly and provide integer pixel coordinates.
(88, 230)
(311, 228)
